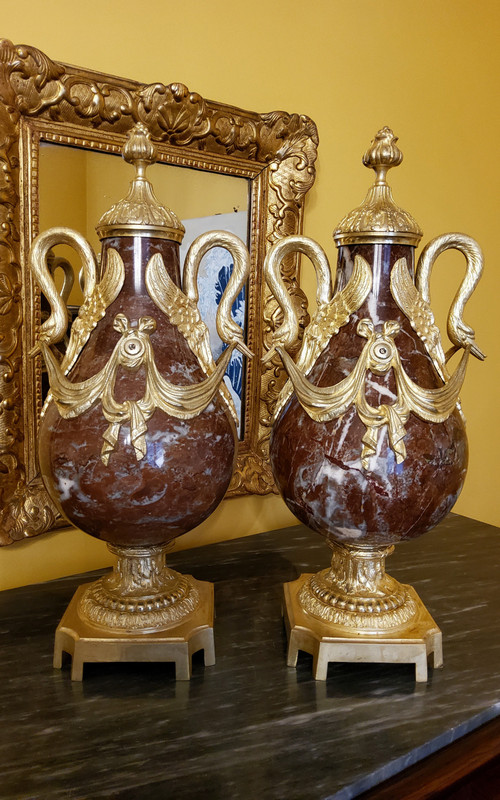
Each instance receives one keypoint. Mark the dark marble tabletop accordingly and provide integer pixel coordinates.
(250, 727)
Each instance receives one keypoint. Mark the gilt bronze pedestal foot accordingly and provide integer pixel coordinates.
(141, 611)
(89, 643)
(329, 642)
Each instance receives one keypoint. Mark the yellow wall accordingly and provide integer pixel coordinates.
(428, 69)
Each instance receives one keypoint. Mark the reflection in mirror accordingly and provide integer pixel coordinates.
(77, 186)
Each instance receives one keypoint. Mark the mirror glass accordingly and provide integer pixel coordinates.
(77, 186)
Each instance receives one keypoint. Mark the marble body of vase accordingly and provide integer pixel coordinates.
(317, 465)
(188, 462)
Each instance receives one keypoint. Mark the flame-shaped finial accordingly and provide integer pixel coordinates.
(139, 150)
(378, 218)
(383, 154)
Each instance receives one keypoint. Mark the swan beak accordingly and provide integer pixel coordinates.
(477, 352)
(241, 346)
(269, 355)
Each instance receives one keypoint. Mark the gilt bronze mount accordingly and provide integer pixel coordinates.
(415, 643)
(137, 433)
(88, 643)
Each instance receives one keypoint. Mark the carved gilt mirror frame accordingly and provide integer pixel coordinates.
(43, 100)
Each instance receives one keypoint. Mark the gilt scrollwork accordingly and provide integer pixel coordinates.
(13, 483)
(292, 174)
(30, 510)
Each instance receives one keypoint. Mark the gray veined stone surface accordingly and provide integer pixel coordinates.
(250, 727)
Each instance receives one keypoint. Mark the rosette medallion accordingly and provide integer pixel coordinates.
(368, 445)
(137, 436)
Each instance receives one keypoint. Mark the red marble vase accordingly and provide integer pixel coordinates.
(368, 445)
(137, 436)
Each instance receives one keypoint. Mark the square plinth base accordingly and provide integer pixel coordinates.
(86, 643)
(412, 644)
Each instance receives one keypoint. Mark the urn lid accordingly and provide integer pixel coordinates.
(378, 218)
(140, 213)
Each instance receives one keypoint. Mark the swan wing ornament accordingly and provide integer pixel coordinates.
(331, 312)
(419, 313)
(331, 316)
(94, 307)
(180, 310)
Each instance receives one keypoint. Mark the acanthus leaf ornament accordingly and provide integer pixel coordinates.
(378, 218)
